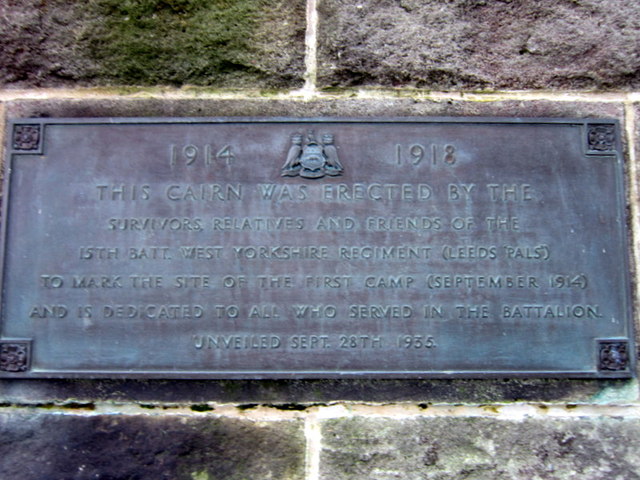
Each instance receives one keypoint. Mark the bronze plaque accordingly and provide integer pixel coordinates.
(275, 248)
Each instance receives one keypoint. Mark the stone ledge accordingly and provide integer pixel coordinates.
(191, 92)
(300, 394)
(341, 106)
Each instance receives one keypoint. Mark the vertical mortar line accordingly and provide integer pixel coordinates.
(311, 49)
(3, 126)
(313, 437)
(634, 189)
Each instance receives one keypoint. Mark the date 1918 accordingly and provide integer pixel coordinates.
(417, 154)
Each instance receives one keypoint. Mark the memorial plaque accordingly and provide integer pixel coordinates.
(276, 248)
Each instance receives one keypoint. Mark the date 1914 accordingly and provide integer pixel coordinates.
(207, 155)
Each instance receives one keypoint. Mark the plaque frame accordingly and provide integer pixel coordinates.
(601, 138)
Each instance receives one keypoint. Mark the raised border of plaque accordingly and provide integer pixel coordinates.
(418, 247)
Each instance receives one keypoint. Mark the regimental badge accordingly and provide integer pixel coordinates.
(312, 159)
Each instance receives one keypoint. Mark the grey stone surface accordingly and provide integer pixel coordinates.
(298, 393)
(255, 43)
(43, 446)
(336, 107)
(480, 449)
(480, 44)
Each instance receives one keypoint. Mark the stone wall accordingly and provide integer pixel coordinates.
(508, 58)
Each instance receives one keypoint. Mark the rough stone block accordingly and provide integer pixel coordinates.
(255, 43)
(36, 446)
(480, 449)
(480, 44)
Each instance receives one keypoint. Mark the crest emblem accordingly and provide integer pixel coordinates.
(312, 159)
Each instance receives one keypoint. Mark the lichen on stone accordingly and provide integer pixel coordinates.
(219, 43)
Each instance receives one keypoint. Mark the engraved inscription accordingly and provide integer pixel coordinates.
(315, 248)
(206, 155)
(416, 153)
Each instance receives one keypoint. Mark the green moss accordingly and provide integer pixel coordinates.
(173, 42)
(490, 408)
(617, 391)
(200, 475)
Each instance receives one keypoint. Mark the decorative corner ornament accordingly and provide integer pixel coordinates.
(601, 137)
(14, 356)
(313, 159)
(613, 355)
(26, 137)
